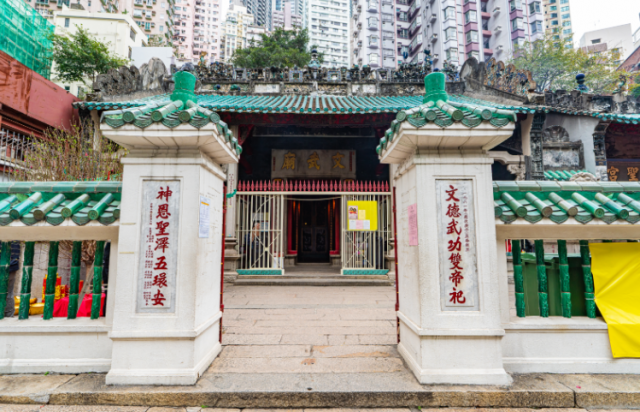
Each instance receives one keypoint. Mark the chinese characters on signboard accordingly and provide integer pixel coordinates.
(313, 163)
(457, 245)
(623, 171)
(159, 246)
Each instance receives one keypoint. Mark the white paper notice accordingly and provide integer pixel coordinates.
(203, 228)
(352, 224)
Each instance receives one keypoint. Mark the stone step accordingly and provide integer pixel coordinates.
(324, 390)
(321, 280)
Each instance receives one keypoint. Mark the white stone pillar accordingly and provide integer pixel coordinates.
(450, 324)
(166, 308)
(176, 345)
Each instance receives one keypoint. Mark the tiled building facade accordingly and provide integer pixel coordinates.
(373, 26)
(327, 22)
(557, 18)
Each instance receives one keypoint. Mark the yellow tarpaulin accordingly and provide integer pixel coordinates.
(616, 277)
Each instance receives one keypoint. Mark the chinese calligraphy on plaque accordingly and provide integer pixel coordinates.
(457, 245)
(159, 246)
(313, 163)
(623, 171)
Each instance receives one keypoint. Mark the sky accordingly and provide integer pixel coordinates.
(588, 15)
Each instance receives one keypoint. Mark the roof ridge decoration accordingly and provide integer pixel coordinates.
(439, 108)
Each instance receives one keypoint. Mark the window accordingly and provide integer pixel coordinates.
(449, 13)
(595, 41)
(147, 26)
(536, 27)
(554, 23)
(515, 4)
(518, 42)
(161, 29)
(450, 33)
(470, 16)
(553, 8)
(566, 23)
(566, 31)
(472, 36)
(564, 9)
(566, 16)
(451, 54)
(67, 88)
(563, 1)
(534, 8)
(137, 13)
(373, 58)
(473, 54)
(517, 24)
(130, 51)
(373, 41)
(554, 15)
(132, 34)
(66, 22)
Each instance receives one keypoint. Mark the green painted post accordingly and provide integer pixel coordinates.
(74, 280)
(543, 298)
(96, 297)
(27, 276)
(518, 278)
(5, 257)
(565, 288)
(588, 278)
(50, 286)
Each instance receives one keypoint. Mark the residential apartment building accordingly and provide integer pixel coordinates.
(286, 18)
(455, 30)
(327, 22)
(197, 30)
(373, 42)
(46, 8)
(618, 38)
(119, 31)
(261, 10)
(254, 34)
(234, 32)
(557, 19)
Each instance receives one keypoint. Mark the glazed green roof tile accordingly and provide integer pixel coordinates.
(54, 202)
(442, 110)
(562, 175)
(560, 201)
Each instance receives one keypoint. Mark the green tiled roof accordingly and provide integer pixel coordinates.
(53, 202)
(562, 175)
(181, 107)
(559, 201)
(443, 110)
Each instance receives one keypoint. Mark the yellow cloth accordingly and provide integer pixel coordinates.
(616, 276)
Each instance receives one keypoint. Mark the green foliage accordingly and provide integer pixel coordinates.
(554, 65)
(281, 48)
(80, 56)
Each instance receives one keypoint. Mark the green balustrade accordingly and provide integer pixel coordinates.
(565, 280)
(5, 258)
(27, 277)
(518, 278)
(588, 279)
(50, 285)
(97, 280)
(543, 298)
(74, 280)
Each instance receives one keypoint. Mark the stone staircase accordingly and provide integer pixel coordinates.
(314, 274)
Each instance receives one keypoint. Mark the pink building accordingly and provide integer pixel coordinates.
(197, 30)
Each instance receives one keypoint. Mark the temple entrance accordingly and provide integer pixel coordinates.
(313, 222)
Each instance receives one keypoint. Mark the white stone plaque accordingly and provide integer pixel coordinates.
(158, 246)
(457, 245)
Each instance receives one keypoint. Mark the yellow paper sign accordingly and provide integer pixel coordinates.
(367, 215)
(616, 277)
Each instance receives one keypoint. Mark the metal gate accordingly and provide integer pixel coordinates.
(364, 251)
(259, 225)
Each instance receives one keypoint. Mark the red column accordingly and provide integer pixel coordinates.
(337, 226)
(289, 224)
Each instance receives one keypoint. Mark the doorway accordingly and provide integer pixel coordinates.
(314, 232)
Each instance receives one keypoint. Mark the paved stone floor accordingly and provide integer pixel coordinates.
(308, 329)
(103, 408)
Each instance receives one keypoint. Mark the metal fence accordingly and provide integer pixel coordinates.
(260, 228)
(13, 147)
(364, 251)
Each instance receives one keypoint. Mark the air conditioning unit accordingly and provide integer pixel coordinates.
(499, 48)
(498, 29)
(496, 10)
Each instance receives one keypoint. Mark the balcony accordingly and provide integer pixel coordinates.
(487, 33)
(372, 6)
(372, 25)
(488, 52)
(373, 44)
